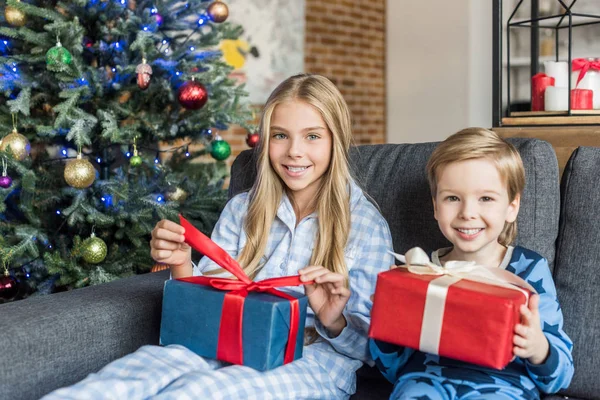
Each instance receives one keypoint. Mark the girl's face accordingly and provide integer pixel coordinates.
(471, 206)
(300, 147)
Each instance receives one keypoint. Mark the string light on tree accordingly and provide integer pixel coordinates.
(14, 16)
(94, 249)
(192, 95)
(159, 267)
(218, 11)
(144, 73)
(220, 149)
(79, 173)
(5, 180)
(58, 55)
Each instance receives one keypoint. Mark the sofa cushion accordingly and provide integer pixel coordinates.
(394, 176)
(577, 272)
(56, 340)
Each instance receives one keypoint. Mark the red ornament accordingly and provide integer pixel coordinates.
(144, 73)
(8, 287)
(252, 139)
(192, 95)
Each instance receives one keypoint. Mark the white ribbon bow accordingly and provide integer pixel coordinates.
(417, 262)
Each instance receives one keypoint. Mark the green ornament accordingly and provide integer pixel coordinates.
(220, 149)
(135, 161)
(58, 55)
(94, 250)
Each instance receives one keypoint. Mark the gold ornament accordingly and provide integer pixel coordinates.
(14, 16)
(94, 249)
(159, 267)
(218, 11)
(177, 195)
(19, 145)
(80, 173)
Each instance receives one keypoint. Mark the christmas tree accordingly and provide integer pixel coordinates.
(104, 103)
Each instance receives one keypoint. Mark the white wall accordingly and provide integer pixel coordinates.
(439, 68)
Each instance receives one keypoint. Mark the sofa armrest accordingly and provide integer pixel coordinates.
(56, 340)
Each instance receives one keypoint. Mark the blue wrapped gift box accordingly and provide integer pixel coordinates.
(191, 317)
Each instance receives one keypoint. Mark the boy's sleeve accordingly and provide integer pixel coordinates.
(556, 372)
(226, 234)
(389, 358)
(369, 257)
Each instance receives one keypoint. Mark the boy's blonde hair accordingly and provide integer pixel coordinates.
(473, 143)
(332, 202)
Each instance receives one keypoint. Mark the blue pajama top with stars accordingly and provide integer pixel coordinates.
(418, 373)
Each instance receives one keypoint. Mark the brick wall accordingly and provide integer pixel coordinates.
(345, 41)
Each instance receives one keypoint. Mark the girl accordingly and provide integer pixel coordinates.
(476, 180)
(303, 215)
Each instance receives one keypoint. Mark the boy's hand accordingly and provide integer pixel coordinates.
(327, 297)
(529, 340)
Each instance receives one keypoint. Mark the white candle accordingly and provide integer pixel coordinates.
(556, 98)
(559, 70)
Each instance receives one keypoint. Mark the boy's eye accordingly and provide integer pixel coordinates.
(278, 135)
(452, 198)
(486, 198)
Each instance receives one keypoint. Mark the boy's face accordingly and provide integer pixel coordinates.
(471, 206)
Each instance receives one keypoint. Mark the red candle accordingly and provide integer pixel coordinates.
(582, 99)
(539, 83)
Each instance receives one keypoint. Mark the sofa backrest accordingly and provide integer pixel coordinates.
(394, 176)
(577, 272)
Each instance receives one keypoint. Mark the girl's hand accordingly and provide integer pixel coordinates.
(327, 296)
(167, 246)
(529, 340)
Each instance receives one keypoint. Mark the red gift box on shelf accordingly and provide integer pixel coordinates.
(453, 311)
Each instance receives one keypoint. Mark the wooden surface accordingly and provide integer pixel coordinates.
(564, 139)
(551, 118)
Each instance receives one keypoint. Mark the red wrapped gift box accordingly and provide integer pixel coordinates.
(452, 317)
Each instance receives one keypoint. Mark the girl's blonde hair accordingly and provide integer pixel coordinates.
(473, 143)
(332, 202)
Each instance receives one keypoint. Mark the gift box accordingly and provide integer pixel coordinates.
(233, 320)
(445, 314)
(191, 317)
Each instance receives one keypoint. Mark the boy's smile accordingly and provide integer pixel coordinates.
(472, 207)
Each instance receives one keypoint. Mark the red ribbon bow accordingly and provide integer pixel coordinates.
(584, 65)
(229, 347)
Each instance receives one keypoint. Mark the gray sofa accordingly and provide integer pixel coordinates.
(52, 341)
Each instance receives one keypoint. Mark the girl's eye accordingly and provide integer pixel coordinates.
(312, 136)
(452, 198)
(278, 136)
(486, 198)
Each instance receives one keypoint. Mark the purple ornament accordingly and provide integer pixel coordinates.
(5, 181)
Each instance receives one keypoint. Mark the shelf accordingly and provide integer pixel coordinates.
(578, 117)
(517, 62)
